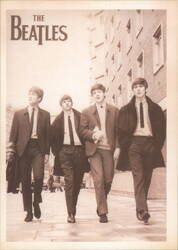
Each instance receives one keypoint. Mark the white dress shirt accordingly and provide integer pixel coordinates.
(146, 130)
(66, 129)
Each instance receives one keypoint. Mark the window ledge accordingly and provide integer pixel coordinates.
(128, 51)
(158, 68)
(119, 67)
(138, 32)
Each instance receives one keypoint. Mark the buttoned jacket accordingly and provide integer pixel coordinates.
(21, 131)
(90, 119)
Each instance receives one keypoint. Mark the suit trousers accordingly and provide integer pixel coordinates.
(142, 153)
(72, 160)
(102, 171)
(31, 160)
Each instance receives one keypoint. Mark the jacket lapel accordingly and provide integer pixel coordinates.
(107, 119)
(76, 121)
(96, 115)
(132, 116)
(26, 118)
(39, 120)
(151, 113)
(60, 124)
(150, 109)
(58, 128)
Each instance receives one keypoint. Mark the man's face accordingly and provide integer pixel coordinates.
(139, 90)
(33, 98)
(66, 105)
(98, 95)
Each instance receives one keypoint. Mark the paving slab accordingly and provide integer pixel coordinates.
(53, 227)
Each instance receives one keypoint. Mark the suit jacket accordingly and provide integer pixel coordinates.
(20, 131)
(57, 139)
(90, 119)
(127, 122)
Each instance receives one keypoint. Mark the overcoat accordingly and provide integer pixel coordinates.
(57, 139)
(127, 122)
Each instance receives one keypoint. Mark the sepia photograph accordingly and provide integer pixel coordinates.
(89, 125)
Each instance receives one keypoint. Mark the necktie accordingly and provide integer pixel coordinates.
(70, 131)
(32, 120)
(141, 115)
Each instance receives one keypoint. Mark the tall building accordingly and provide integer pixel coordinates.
(125, 44)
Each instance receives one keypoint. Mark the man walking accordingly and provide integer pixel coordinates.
(30, 137)
(99, 129)
(142, 130)
(68, 149)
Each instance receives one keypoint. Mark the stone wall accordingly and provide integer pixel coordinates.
(116, 67)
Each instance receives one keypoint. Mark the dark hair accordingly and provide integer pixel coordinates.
(65, 97)
(38, 91)
(141, 81)
(98, 86)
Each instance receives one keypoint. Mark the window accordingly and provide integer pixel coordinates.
(129, 84)
(114, 99)
(119, 56)
(158, 53)
(113, 59)
(117, 97)
(139, 22)
(107, 71)
(98, 77)
(112, 20)
(101, 18)
(111, 30)
(140, 65)
(119, 23)
(120, 89)
(106, 36)
(129, 36)
(99, 44)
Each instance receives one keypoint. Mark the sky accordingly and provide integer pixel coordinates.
(59, 67)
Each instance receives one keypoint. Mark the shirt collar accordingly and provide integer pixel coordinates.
(69, 114)
(137, 101)
(30, 108)
(101, 106)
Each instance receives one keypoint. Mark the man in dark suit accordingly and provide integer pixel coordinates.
(68, 149)
(30, 137)
(98, 128)
(142, 131)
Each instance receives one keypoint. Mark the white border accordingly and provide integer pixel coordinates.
(172, 104)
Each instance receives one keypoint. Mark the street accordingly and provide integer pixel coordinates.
(53, 226)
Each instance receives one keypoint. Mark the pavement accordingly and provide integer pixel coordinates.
(53, 226)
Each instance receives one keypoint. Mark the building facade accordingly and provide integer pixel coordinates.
(124, 45)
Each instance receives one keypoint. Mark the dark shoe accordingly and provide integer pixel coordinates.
(143, 216)
(146, 218)
(103, 218)
(29, 217)
(140, 215)
(71, 218)
(37, 211)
